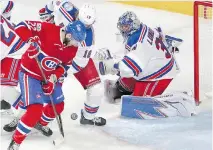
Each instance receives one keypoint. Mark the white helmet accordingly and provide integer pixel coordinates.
(87, 14)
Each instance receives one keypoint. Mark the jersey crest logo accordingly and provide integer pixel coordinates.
(50, 63)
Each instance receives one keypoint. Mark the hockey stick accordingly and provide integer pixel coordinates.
(57, 116)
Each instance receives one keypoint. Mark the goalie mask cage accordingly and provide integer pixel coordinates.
(202, 49)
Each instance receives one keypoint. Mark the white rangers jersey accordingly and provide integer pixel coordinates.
(147, 57)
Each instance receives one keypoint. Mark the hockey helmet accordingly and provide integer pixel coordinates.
(75, 31)
(87, 14)
(128, 23)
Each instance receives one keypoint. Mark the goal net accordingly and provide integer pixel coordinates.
(202, 49)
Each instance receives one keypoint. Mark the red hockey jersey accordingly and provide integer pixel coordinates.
(53, 52)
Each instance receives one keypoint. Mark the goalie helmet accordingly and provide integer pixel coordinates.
(87, 14)
(128, 23)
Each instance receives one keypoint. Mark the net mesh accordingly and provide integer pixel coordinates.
(205, 50)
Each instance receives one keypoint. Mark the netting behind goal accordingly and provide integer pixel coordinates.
(202, 49)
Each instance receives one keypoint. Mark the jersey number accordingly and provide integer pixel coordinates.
(87, 53)
(7, 38)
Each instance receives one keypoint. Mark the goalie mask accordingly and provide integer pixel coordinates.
(128, 23)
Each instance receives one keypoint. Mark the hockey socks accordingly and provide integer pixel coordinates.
(27, 122)
(48, 113)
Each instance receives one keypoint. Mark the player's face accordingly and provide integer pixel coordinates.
(124, 28)
(69, 41)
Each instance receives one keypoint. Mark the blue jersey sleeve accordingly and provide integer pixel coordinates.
(136, 37)
(89, 41)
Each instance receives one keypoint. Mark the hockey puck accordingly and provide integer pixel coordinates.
(74, 116)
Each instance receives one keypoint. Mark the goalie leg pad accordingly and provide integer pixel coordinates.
(168, 105)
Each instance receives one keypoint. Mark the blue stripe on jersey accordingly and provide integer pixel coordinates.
(139, 68)
(21, 24)
(66, 15)
(75, 66)
(133, 70)
(14, 48)
(132, 65)
(48, 10)
(144, 33)
(171, 62)
(16, 102)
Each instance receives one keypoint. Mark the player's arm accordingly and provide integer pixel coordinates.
(30, 32)
(46, 13)
(128, 66)
(81, 59)
(68, 11)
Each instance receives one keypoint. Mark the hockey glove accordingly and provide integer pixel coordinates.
(34, 49)
(48, 88)
(103, 54)
(108, 67)
(45, 16)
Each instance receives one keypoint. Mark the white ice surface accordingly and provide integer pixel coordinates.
(122, 133)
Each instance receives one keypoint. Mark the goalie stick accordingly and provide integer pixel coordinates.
(57, 116)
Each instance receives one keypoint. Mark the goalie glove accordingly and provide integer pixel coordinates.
(108, 67)
(45, 16)
(103, 54)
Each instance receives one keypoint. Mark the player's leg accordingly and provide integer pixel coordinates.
(18, 110)
(32, 97)
(113, 90)
(90, 80)
(151, 88)
(48, 113)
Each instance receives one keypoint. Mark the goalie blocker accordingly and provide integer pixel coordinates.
(168, 105)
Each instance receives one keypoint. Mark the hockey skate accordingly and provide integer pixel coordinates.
(5, 108)
(5, 105)
(45, 130)
(98, 121)
(10, 127)
(13, 146)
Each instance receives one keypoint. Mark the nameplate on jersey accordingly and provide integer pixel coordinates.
(141, 107)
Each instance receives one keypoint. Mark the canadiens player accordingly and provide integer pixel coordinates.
(147, 67)
(55, 49)
(11, 46)
(61, 12)
(82, 65)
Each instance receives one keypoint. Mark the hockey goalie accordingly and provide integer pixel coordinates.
(145, 71)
